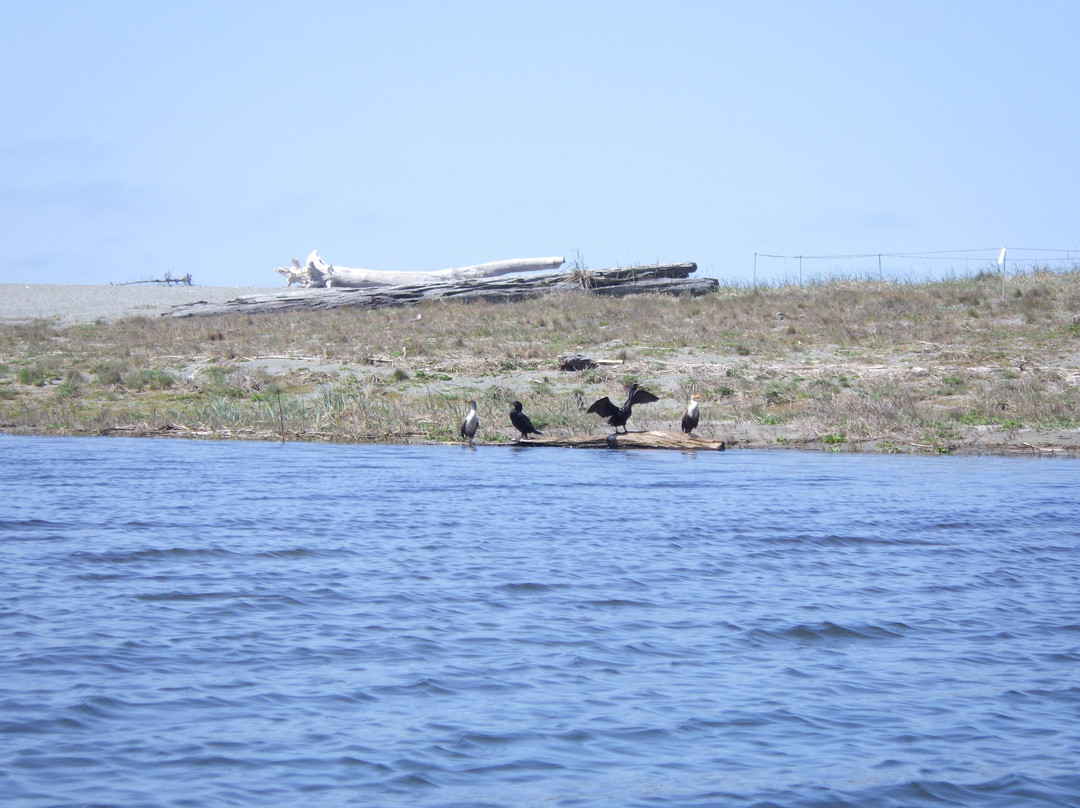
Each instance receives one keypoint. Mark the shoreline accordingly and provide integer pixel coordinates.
(1030, 443)
(1055, 444)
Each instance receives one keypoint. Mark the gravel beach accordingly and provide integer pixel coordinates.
(74, 304)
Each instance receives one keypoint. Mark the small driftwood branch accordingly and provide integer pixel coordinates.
(579, 361)
(317, 274)
(661, 279)
(652, 439)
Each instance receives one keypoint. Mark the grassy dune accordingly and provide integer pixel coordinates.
(844, 365)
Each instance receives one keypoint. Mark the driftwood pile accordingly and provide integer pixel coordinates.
(672, 279)
(168, 280)
(317, 274)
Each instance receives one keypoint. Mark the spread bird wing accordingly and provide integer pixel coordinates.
(643, 397)
(604, 408)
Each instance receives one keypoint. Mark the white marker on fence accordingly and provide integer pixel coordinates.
(1001, 263)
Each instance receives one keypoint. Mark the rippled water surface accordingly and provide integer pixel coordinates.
(203, 624)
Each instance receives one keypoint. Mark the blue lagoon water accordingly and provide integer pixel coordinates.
(210, 624)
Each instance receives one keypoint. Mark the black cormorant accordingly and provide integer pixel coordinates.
(690, 417)
(618, 416)
(468, 426)
(521, 422)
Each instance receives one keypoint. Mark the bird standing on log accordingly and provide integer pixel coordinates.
(522, 423)
(618, 416)
(690, 417)
(471, 422)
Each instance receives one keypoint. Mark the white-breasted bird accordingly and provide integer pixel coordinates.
(471, 422)
(690, 417)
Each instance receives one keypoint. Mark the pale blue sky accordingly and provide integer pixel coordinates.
(224, 139)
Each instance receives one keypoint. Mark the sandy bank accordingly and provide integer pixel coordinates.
(74, 304)
(943, 369)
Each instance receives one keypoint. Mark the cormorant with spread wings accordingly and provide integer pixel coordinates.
(618, 416)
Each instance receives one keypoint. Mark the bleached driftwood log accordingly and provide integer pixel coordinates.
(652, 439)
(672, 279)
(317, 274)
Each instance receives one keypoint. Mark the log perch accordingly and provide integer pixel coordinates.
(652, 439)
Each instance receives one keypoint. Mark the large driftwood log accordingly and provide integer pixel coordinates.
(664, 279)
(653, 439)
(317, 274)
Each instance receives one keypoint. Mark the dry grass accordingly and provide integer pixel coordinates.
(830, 363)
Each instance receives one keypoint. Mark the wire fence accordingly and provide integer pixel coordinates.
(928, 265)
